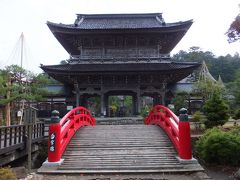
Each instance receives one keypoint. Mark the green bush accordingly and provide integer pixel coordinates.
(219, 147)
(235, 131)
(198, 119)
(179, 101)
(237, 114)
(7, 174)
(216, 110)
(197, 116)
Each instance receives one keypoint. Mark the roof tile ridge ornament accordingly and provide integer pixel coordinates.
(161, 20)
(79, 20)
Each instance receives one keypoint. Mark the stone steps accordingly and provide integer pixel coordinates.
(121, 149)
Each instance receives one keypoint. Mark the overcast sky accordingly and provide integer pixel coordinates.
(211, 21)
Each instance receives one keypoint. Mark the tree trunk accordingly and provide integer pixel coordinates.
(7, 114)
(8, 107)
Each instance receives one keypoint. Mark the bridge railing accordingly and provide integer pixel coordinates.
(15, 137)
(61, 131)
(177, 129)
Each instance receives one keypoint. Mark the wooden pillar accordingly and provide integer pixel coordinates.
(156, 99)
(163, 98)
(138, 103)
(83, 100)
(133, 110)
(77, 99)
(134, 104)
(106, 105)
(163, 93)
(103, 105)
(77, 94)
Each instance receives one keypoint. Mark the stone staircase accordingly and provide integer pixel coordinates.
(121, 149)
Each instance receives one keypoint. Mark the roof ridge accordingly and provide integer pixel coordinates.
(133, 15)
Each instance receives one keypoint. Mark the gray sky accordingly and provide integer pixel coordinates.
(211, 20)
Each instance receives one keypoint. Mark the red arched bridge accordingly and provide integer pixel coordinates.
(77, 145)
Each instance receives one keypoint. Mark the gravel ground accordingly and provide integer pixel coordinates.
(193, 176)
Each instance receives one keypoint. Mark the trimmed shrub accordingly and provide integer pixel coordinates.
(198, 119)
(7, 174)
(219, 147)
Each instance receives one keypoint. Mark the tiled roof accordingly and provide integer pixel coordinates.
(129, 67)
(119, 21)
(182, 87)
(56, 89)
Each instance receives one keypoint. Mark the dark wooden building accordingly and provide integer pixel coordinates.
(119, 54)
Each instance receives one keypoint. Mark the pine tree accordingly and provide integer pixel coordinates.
(216, 110)
(18, 84)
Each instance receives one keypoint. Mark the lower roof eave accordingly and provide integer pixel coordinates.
(118, 68)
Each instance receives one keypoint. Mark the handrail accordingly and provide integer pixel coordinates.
(177, 130)
(13, 137)
(60, 133)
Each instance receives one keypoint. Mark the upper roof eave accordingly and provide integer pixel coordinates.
(65, 28)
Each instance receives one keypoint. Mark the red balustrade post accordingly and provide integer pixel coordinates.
(185, 150)
(54, 138)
